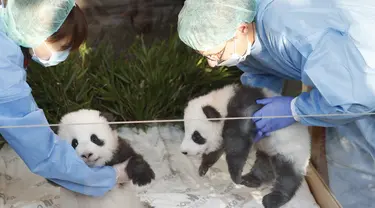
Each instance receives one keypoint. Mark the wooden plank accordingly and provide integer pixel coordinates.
(318, 151)
(322, 194)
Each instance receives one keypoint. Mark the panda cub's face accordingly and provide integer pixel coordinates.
(201, 136)
(95, 143)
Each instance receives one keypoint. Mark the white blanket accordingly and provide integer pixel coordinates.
(177, 183)
(19, 188)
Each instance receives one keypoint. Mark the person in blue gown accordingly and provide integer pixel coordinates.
(329, 45)
(44, 31)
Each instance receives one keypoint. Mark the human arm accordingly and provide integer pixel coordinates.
(47, 155)
(257, 79)
(313, 103)
(343, 86)
(41, 150)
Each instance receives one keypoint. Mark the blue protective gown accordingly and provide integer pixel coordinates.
(330, 46)
(41, 150)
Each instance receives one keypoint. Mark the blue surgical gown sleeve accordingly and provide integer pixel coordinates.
(41, 150)
(261, 80)
(257, 70)
(342, 83)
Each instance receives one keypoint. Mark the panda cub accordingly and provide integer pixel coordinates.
(98, 145)
(281, 158)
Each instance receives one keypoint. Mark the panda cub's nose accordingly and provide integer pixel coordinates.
(185, 153)
(86, 155)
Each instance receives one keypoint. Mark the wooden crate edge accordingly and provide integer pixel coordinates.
(320, 190)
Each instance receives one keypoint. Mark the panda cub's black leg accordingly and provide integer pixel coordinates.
(208, 160)
(261, 171)
(287, 183)
(237, 145)
(237, 150)
(139, 171)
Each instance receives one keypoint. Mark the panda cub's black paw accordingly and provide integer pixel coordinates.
(203, 170)
(251, 181)
(139, 171)
(274, 199)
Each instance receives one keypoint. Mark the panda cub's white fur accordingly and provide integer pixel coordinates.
(83, 135)
(98, 145)
(293, 142)
(286, 150)
(210, 130)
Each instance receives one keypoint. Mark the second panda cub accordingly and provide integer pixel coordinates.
(283, 156)
(99, 145)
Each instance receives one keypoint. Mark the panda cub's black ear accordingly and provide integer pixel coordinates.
(211, 113)
(110, 118)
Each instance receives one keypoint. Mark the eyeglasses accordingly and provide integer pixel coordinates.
(217, 56)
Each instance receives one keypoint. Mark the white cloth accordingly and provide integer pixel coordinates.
(177, 183)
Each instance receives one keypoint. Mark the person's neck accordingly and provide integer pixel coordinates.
(252, 33)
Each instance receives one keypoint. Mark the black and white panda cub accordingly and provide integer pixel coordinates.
(98, 145)
(283, 156)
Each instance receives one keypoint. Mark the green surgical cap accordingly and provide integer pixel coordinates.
(30, 22)
(205, 24)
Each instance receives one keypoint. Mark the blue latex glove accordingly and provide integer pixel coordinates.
(274, 106)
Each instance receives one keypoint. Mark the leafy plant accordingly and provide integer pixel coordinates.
(141, 83)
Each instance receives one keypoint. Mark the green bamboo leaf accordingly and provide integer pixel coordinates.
(142, 82)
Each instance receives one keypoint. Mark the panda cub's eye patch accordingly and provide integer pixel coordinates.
(197, 138)
(96, 140)
(74, 143)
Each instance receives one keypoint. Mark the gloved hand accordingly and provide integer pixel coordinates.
(274, 106)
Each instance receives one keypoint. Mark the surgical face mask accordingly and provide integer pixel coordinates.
(56, 57)
(235, 58)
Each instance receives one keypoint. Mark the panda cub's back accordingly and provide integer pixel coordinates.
(292, 142)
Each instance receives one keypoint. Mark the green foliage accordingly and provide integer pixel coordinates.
(141, 83)
(63, 88)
